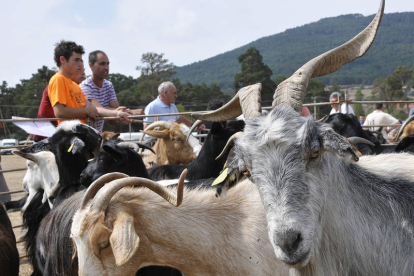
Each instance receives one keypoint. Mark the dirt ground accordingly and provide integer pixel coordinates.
(14, 182)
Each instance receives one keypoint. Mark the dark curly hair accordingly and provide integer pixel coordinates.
(65, 49)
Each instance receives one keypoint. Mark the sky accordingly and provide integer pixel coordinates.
(186, 31)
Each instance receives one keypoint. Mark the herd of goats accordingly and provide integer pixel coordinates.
(276, 194)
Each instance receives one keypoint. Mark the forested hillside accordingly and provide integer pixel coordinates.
(285, 52)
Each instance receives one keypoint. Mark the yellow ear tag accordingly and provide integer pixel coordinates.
(221, 177)
(225, 164)
(71, 147)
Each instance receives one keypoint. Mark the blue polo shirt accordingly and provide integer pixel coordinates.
(158, 107)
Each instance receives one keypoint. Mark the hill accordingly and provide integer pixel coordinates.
(287, 51)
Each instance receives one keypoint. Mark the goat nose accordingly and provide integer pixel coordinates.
(288, 241)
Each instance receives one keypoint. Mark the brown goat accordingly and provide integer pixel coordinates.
(171, 146)
(206, 235)
(9, 256)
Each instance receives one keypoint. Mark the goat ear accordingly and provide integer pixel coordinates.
(112, 151)
(336, 143)
(160, 134)
(124, 240)
(76, 145)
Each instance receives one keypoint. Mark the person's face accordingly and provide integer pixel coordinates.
(78, 78)
(333, 104)
(362, 119)
(172, 95)
(100, 69)
(74, 65)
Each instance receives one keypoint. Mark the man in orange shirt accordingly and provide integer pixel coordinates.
(65, 96)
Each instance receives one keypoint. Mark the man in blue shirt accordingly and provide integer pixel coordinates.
(164, 104)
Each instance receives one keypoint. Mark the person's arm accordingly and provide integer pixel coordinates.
(62, 111)
(105, 112)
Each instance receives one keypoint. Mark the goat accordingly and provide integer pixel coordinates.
(115, 156)
(205, 165)
(42, 173)
(327, 215)
(136, 228)
(73, 145)
(171, 146)
(9, 256)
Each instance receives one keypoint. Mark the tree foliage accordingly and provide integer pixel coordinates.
(156, 70)
(253, 70)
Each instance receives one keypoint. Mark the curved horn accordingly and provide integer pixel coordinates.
(247, 101)
(359, 140)
(195, 125)
(291, 92)
(103, 197)
(236, 135)
(403, 126)
(128, 145)
(164, 124)
(97, 184)
(322, 119)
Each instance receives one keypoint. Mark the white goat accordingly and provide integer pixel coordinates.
(42, 173)
(204, 236)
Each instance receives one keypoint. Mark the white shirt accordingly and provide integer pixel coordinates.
(378, 117)
(343, 109)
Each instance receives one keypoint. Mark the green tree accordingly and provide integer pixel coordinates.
(253, 70)
(358, 110)
(122, 82)
(156, 70)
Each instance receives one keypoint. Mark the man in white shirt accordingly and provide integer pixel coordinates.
(335, 96)
(379, 117)
(164, 104)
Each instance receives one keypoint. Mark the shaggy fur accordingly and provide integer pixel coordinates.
(326, 214)
(237, 242)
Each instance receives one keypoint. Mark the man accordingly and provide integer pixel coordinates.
(362, 119)
(333, 98)
(165, 103)
(379, 117)
(46, 109)
(66, 97)
(98, 88)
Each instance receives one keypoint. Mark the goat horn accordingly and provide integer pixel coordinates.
(322, 119)
(359, 140)
(196, 124)
(291, 92)
(128, 145)
(98, 184)
(103, 197)
(403, 126)
(164, 124)
(247, 101)
(231, 139)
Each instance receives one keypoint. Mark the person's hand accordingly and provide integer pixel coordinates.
(91, 110)
(202, 127)
(124, 109)
(137, 112)
(124, 117)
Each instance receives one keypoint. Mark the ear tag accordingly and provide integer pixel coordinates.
(221, 177)
(71, 147)
(225, 164)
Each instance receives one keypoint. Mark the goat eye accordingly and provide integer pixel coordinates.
(246, 172)
(314, 154)
(104, 245)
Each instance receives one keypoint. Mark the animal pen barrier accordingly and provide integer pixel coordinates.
(138, 118)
